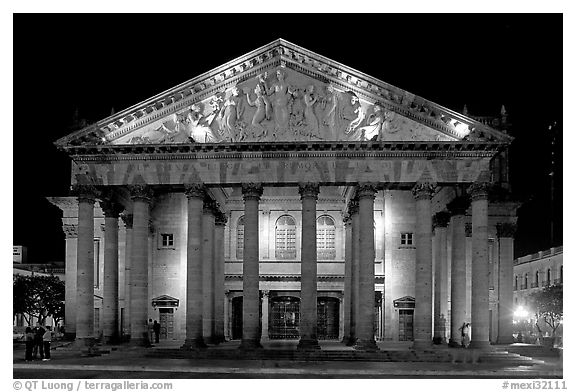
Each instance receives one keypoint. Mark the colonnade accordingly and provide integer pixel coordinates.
(205, 268)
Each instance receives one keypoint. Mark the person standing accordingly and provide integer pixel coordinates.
(38, 341)
(150, 332)
(156, 328)
(29, 344)
(47, 340)
(465, 334)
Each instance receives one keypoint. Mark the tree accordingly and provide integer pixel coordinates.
(548, 306)
(38, 297)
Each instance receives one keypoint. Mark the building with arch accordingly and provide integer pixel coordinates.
(286, 196)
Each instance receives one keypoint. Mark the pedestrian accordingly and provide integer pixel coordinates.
(47, 339)
(150, 332)
(157, 331)
(38, 341)
(29, 344)
(465, 335)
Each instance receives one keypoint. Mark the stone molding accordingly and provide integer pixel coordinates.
(347, 219)
(366, 190)
(459, 205)
(128, 220)
(70, 230)
(194, 190)
(441, 219)
(468, 229)
(111, 208)
(252, 191)
(85, 193)
(140, 192)
(479, 191)
(309, 190)
(353, 207)
(506, 229)
(424, 190)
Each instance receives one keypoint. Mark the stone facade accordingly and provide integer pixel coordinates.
(317, 185)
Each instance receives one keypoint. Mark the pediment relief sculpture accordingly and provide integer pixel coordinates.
(282, 106)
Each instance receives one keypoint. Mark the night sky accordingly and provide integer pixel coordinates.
(93, 63)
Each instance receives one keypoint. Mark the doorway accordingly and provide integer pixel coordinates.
(237, 318)
(166, 323)
(285, 320)
(405, 324)
(328, 318)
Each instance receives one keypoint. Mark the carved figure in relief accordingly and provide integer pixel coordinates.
(197, 125)
(296, 108)
(350, 117)
(310, 99)
(260, 109)
(264, 89)
(230, 113)
(282, 93)
(375, 124)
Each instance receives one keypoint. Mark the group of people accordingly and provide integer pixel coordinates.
(153, 331)
(38, 340)
(465, 331)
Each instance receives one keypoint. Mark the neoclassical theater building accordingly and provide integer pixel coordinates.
(284, 195)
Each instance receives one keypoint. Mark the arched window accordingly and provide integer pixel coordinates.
(536, 282)
(325, 238)
(240, 238)
(548, 277)
(286, 238)
(516, 282)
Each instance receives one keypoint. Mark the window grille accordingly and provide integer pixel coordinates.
(286, 238)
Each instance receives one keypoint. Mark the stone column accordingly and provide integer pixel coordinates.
(71, 233)
(194, 278)
(251, 273)
(365, 324)
(208, 303)
(227, 307)
(219, 287)
(141, 196)
(440, 222)
(128, 221)
(423, 193)
(347, 300)
(308, 281)
(111, 210)
(265, 305)
(458, 208)
(505, 233)
(480, 301)
(85, 267)
(355, 281)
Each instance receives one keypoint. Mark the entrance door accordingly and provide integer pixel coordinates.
(328, 318)
(405, 324)
(166, 323)
(285, 318)
(237, 317)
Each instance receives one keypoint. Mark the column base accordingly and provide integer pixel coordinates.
(421, 344)
(366, 345)
(454, 343)
(308, 344)
(480, 344)
(505, 340)
(194, 344)
(439, 340)
(111, 340)
(351, 340)
(84, 343)
(250, 344)
(218, 339)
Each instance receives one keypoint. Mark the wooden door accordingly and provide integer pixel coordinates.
(166, 323)
(405, 324)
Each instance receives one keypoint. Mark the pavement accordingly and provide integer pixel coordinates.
(131, 362)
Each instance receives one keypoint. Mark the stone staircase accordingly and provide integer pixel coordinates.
(531, 350)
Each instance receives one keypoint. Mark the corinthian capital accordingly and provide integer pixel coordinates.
(424, 190)
(220, 219)
(479, 190)
(195, 190)
(459, 205)
(128, 220)
(441, 219)
(252, 191)
(111, 208)
(506, 230)
(85, 193)
(140, 192)
(309, 190)
(353, 206)
(366, 189)
(468, 229)
(70, 230)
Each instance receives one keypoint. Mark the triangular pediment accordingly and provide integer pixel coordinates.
(283, 93)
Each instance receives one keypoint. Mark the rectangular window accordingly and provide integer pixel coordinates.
(167, 240)
(407, 239)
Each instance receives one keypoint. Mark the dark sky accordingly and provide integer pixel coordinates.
(93, 63)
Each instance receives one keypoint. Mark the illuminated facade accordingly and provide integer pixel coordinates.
(286, 196)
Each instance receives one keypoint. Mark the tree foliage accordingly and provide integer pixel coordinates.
(548, 306)
(39, 297)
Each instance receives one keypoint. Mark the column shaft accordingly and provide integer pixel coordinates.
(423, 279)
(128, 220)
(365, 322)
(194, 267)
(85, 272)
(308, 281)
(71, 286)
(440, 221)
(208, 303)
(505, 282)
(219, 287)
(110, 300)
(347, 300)
(251, 272)
(458, 280)
(265, 305)
(480, 286)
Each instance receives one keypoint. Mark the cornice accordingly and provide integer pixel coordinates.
(283, 53)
